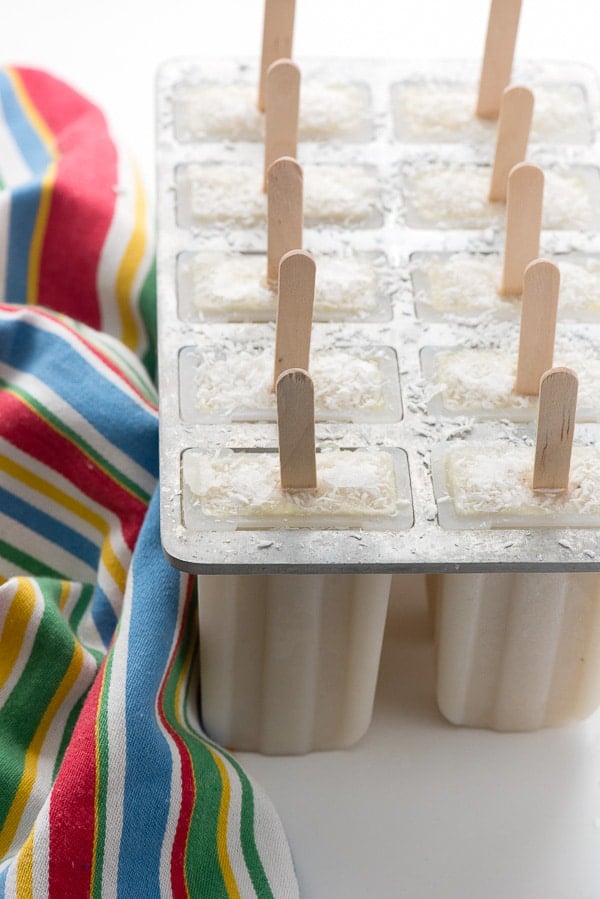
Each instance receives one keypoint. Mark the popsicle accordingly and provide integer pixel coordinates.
(222, 194)
(450, 195)
(468, 283)
(521, 650)
(289, 662)
(216, 285)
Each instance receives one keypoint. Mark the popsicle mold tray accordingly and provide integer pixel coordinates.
(408, 255)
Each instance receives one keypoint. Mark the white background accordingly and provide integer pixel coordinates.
(418, 809)
(110, 50)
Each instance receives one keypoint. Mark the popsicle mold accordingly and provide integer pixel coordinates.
(518, 651)
(227, 110)
(289, 662)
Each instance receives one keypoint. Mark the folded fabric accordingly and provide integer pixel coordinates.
(75, 232)
(108, 786)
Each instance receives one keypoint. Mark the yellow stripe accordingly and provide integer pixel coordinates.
(34, 749)
(15, 627)
(108, 556)
(65, 592)
(222, 850)
(46, 488)
(113, 565)
(130, 263)
(39, 233)
(43, 132)
(47, 137)
(25, 869)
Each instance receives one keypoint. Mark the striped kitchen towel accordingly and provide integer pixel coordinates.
(108, 786)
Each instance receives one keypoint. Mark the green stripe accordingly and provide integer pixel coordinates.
(45, 414)
(147, 304)
(249, 848)
(25, 562)
(25, 707)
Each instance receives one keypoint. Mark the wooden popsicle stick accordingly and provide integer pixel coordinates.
(283, 104)
(556, 423)
(516, 113)
(296, 426)
(539, 305)
(524, 198)
(501, 37)
(284, 213)
(278, 34)
(294, 312)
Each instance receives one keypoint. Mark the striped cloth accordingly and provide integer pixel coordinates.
(107, 785)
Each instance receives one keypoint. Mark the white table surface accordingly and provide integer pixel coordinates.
(418, 809)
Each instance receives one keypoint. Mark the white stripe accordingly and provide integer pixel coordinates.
(121, 230)
(5, 202)
(117, 748)
(14, 168)
(11, 878)
(273, 847)
(47, 552)
(87, 633)
(234, 820)
(41, 853)
(7, 593)
(68, 607)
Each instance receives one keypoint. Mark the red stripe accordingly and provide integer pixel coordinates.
(30, 315)
(57, 103)
(188, 787)
(83, 197)
(72, 808)
(22, 427)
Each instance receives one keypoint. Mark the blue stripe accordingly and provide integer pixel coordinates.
(103, 616)
(49, 528)
(154, 610)
(32, 147)
(4, 868)
(125, 422)
(24, 206)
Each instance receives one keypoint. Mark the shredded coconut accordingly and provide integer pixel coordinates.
(351, 484)
(342, 195)
(473, 380)
(456, 196)
(243, 380)
(229, 112)
(227, 285)
(438, 111)
(469, 282)
(494, 481)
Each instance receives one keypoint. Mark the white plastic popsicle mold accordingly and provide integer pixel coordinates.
(292, 611)
(400, 325)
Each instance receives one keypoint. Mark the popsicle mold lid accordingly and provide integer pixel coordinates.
(401, 322)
